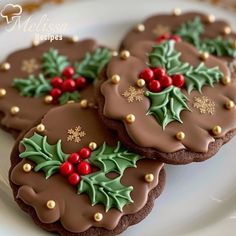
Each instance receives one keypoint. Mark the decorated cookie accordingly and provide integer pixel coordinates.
(74, 177)
(38, 78)
(168, 101)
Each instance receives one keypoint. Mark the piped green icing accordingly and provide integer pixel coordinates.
(65, 97)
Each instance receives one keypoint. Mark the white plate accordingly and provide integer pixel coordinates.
(199, 199)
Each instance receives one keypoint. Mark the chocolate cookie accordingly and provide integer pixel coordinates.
(169, 102)
(203, 31)
(38, 78)
(74, 177)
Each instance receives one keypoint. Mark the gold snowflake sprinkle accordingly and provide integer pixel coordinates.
(204, 105)
(29, 66)
(161, 29)
(75, 134)
(232, 66)
(133, 94)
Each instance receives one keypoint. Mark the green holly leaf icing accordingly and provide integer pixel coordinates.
(93, 63)
(65, 97)
(33, 86)
(53, 63)
(47, 158)
(167, 105)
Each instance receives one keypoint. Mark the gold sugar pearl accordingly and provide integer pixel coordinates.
(3, 92)
(140, 27)
(177, 12)
(149, 178)
(226, 80)
(114, 53)
(227, 30)
(15, 110)
(40, 128)
(84, 103)
(48, 99)
(140, 83)
(216, 130)
(35, 43)
(51, 204)
(130, 118)
(92, 146)
(115, 79)
(204, 55)
(211, 19)
(229, 105)
(74, 39)
(5, 66)
(98, 216)
(27, 167)
(124, 54)
(180, 136)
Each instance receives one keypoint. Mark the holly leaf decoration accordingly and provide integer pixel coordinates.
(47, 158)
(33, 86)
(53, 63)
(167, 105)
(92, 64)
(65, 97)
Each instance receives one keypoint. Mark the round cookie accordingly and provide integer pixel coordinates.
(38, 78)
(73, 176)
(169, 102)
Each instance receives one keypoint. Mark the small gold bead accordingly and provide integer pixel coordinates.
(216, 130)
(227, 30)
(204, 55)
(140, 83)
(84, 103)
(177, 12)
(3, 92)
(51, 204)
(115, 79)
(5, 66)
(180, 136)
(74, 39)
(226, 80)
(35, 43)
(114, 53)
(27, 167)
(40, 128)
(15, 110)
(211, 19)
(125, 55)
(140, 27)
(130, 118)
(149, 178)
(98, 216)
(229, 105)
(48, 99)
(92, 146)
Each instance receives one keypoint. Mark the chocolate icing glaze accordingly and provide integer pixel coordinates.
(31, 109)
(145, 132)
(212, 30)
(74, 212)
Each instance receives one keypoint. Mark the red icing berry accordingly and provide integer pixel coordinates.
(147, 74)
(166, 81)
(162, 38)
(154, 86)
(176, 38)
(56, 82)
(66, 168)
(74, 158)
(81, 83)
(178, 80)
(74, 179)
(85, 152)
(68, 85)
(55, 93)
(159, 72)
(68, 72)
(84, 168)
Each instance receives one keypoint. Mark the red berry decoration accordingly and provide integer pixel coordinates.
(154, 86)
(55, 93)
(66, 168)
(85, 153)
(74, 179)
(68, 72)
(56, 82)
(68, 85)
(166, 81)
(159, 72)
(81, 83)
(178, 80)
(176, 38)
(74, 158)
(147, 74)
(84, 168)
(162, 38)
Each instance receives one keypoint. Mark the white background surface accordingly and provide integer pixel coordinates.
(199, 199)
